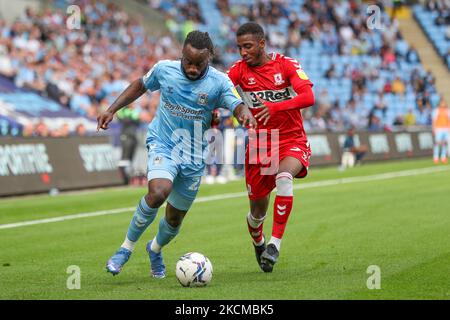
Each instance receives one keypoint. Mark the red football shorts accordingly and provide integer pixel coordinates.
(259, 178)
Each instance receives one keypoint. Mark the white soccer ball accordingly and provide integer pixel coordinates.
(194, 270)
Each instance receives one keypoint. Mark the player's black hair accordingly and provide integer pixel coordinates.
(199, 40)
(251, 28)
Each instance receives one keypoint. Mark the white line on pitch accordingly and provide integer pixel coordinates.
(325, 183)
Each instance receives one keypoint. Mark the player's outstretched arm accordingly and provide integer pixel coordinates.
(131, 93)
(304, 99)
(244, 116)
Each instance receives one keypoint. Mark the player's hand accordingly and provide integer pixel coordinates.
(104, 119)
(266, 112)
(215, 121)
(247, 120)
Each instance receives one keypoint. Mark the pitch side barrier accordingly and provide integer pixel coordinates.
(327, 147)
(34, 165)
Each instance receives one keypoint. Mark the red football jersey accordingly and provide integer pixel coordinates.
(279, 79)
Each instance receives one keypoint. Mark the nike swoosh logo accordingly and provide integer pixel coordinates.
(296, 149)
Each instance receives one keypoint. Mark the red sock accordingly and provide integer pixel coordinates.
(255, 233)
(281, 211)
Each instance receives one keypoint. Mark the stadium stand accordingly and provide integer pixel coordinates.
(54, 80)
(21, 108)
(365, 78)
(434, 18)
(77, 72)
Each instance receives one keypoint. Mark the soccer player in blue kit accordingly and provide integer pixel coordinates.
(190, 91)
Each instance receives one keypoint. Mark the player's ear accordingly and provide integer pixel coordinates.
(262, 42)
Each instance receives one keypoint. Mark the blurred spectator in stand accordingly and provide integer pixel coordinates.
(410, 118)
(374, 123)
(62, 132)
(399, 121)
(41, 129)
(412, 56)
(398, 87)
(6, 64)
(80, 130)
(28, 129)
(352, 153)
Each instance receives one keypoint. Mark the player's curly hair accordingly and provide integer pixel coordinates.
(199, 40)
(251, 28)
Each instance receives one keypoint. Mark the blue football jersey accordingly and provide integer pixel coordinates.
(185, 110)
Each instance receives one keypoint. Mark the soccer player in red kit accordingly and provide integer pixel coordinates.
(275, 88)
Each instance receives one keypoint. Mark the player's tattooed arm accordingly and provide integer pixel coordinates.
(244, 116)
(131, 93)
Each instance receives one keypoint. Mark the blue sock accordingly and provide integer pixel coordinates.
(166, 232)
(143, 217)
(444, 151)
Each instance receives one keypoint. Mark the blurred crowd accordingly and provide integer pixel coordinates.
(83, 69)
(341, 29)
(442, 8)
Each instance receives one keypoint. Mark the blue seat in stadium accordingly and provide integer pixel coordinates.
(434, 99)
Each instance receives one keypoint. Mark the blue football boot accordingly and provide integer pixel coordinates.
(158, 269)
(117, 261)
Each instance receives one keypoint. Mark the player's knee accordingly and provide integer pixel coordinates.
(156, 197)
(284, 184)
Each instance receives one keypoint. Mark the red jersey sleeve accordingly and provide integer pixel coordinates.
(301, 85)
(233, 74)
(296, 75)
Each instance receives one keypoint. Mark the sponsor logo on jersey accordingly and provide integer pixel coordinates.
(268, 95)
(202, 99)
(278, 79)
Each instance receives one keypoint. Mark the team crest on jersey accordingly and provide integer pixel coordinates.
(278, 79)
(251, 81)
(202, 99)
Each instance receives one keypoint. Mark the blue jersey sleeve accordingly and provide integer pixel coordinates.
(151, 81)
(229, 97)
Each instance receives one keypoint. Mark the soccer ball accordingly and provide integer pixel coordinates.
(194, 270)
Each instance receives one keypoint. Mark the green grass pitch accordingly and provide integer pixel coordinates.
(334, 233)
